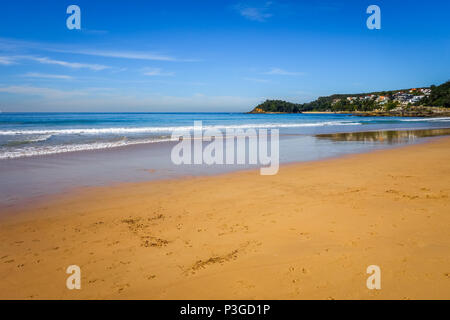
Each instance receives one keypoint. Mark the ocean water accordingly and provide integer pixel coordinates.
(33, 134)
(43, 154)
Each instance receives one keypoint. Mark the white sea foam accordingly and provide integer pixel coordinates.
(41, 135)
(39, 138)
(54, 149)
(443, 119)
(124, 130)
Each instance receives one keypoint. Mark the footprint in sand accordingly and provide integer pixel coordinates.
(304, 236)
(245, 284)
(122, 288)
(149, 241)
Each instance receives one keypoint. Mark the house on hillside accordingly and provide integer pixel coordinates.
(351, 99)
(416, 99)
(403, 98)
(382, 99)
(426, 91)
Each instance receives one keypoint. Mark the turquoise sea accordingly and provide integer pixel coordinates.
(31, 134)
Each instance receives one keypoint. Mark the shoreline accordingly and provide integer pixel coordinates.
(386, 139)
(413, 114)
(202, 238)
(30, 204)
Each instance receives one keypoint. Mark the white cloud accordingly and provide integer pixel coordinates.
(47, 76)
(259, 14)
(7, 61)
(73, 65)
(125, 55)
(13, 44)
(257, 80)
(157, 72)
(281, 72)
(48, 93)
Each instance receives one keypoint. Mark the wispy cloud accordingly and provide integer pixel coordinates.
(48, 93)
(281, 72)
(157, 72)
(73, 65)
(7, 61)
(125, 55)
(260, 14)
(13, 44)
(47, 76)
(257, 80)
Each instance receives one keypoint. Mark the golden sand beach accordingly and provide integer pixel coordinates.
(308, 232)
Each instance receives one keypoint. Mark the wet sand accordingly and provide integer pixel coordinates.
(30, 179)
(308, 232)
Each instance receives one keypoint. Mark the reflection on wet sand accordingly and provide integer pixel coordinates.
(390, 137)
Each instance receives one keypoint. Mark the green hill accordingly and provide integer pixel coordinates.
(379, 100)
(439, 97)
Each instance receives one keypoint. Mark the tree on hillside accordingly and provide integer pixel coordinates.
(439, 97)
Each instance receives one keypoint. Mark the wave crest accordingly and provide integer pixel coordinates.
(124, 130)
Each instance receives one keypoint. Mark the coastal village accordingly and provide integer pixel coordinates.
(432, 101)
(404, 98)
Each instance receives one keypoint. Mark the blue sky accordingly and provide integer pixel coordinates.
(213, 55)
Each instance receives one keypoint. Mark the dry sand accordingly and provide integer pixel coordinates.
(308, 232)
